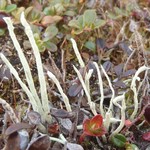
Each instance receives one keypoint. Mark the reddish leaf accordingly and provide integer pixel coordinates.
(146, 136)
(94, 127)
(13, 142)
(2, 22)
(128, 123)
(147, 114)
(53, 128)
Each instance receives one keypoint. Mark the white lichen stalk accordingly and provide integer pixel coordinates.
(23, 86)
(41, 106)
(100, 88)
(112, 89)
(80, 60)
(123, 108)
(134, 89)
(91, 104)
(43, 90)
(64, 96)
(24, 62)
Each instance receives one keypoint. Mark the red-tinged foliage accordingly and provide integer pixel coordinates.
(146, 136)
(53, 128)
(128, 123)
(93, 127)
(2, 22)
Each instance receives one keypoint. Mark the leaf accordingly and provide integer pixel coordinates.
(61, 113)
(73, 146)
(147, 113)
(112, 15)
(34, 117)
(47, 20)
(100, 43)
(50, 46)
(70, 13)
(24, 139)
(131, 147)
(2, 22)
(90, 45)
(3, 4)
(41, 143)
(118, 69)
(94, 127)
(120, 84)
(119, 140)
(89, 17)
(77, 23)
(50, 32)
(74, 90)
(66, 123)
(146, 136)
(125, 47)
(10, 8)
(129, 73)
(28, 11)
(13, 138)
(17, 127)
(99, 23)
(53, 128)
(107, 65)
(2, 32)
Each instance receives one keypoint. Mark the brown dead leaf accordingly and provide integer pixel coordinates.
(17, 127)
(13, 142)
(46, 20)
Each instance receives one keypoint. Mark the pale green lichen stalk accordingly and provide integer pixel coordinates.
(41, 105)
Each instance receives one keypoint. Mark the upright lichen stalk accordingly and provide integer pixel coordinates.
(40, 105)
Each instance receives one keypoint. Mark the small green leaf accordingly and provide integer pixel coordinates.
(89, 17)
(119, 140)
(59, 8)
(113, 15)
(99, 22)
(70, 13)
(49, 11)
(50, 32)
(131, 146)
(50, 46)
(77, 23)
(90, 45)
(10, 8)
(2, 32)
(74, 23)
